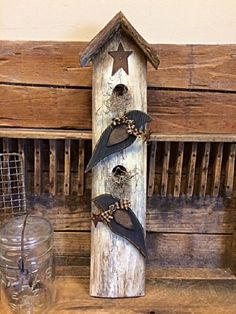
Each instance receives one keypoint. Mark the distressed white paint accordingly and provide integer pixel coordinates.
(117, 267)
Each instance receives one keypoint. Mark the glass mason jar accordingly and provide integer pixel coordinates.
(27, 264)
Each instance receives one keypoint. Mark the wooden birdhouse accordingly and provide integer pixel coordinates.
(119, 105)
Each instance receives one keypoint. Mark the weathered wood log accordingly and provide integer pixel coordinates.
(182, 66)
(173, 112)
(111, 275)
(120, 54)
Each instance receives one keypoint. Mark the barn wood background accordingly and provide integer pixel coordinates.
(45, 114)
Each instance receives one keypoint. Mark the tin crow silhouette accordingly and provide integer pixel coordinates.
(120, 218)
(120, 134)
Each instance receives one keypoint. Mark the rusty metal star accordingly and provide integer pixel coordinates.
(120, 59)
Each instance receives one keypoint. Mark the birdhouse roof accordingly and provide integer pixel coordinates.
(118, 22)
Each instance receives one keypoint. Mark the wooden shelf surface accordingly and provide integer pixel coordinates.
(174, 290)
(162, 296)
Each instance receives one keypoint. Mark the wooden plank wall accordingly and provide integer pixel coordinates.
(42, 85)
(191, 186)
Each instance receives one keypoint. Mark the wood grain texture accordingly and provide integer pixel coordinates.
(195, 215)
(164, 249)
(229, 173)
(81, 168)
(52, 167)
(217, 170)
(31, 133)
(233, 251)
(37, 167)
(191, 169)
(152, 168)
(22, 148)
(173, 112)
(165, 169)
(35, 133)
(182, 66)
(208, 215)
(67, 167)
(178, 169)
(111, 276)
(189, 250)
(163, 296)
(45, 107)
(204, 170)
(6, 145)
(191, 112)
(192, 137)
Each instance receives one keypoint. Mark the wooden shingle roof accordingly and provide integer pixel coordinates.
(118, 22)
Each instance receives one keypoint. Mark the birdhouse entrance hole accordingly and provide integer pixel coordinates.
(119, 171)
(120, 90)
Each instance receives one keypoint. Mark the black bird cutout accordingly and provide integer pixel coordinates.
(120, 134)
(120, 218)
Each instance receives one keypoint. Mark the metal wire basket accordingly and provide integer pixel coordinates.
(12, 186)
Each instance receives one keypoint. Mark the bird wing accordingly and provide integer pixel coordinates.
(134, 235)
(102, 151)
(104, 146)
(122, 217)
(118, 135)
(125, 223)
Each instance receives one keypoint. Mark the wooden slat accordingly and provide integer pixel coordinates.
(191, 170)
(217, 170)
(204, 170)
(198, 274)
(68, 242)
(165, 169)
(87, 135)
(184, 112)
(5, 173)
(37, 167)
(67, 174)
(229, 172)
(6, 145)
(44, 133)
(152, 168)
(163, 214)
(182, 66)
(22, 151)
(173, 112)
(233, 252)
(198, 215)
(192, 250)
(178, 169)
(191, 137)
(81, 168)
(52, 167)
(39, 107)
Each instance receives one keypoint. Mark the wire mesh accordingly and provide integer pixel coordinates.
(12, 186)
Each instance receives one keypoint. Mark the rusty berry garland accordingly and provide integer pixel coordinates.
(131, 128)
(107, 215)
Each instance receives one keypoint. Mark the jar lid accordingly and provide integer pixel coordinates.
(37, 229)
